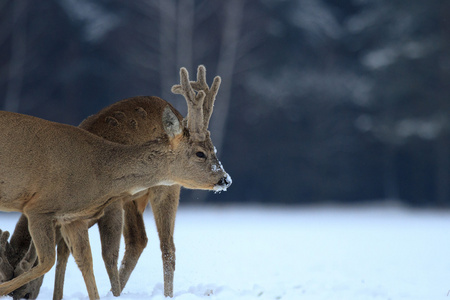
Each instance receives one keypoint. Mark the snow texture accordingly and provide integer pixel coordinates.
(286, 253)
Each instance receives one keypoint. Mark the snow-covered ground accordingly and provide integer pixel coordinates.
(384, 252)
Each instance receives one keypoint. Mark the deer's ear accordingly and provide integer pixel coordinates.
(171, 124)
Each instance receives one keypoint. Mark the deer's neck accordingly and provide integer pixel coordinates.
(133, 168)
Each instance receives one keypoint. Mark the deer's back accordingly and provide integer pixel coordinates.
(130, 121)
(38, 155)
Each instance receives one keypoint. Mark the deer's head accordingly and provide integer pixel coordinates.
(196, 165)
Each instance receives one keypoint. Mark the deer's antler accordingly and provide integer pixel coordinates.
(200, 105)
(6, 270)
(32, 288)
(194, 102)
(27, 261)
(201, 85)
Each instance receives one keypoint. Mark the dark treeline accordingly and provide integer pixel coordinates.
(321, 100)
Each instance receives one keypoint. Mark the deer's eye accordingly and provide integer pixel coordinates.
(200, 154)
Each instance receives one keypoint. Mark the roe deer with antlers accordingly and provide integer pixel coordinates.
(130, 121)
(61, 175)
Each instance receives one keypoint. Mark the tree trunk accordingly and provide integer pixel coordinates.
(185, 33)
(225, 68)
(167, 44)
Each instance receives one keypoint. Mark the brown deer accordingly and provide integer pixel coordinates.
(61, 175)
(131, 121)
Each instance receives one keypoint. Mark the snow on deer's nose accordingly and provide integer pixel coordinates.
(223, 183)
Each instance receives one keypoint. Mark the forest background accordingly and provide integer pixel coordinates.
(321, 101)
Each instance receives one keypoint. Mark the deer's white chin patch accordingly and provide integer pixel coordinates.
(220, 188)
(136, 190)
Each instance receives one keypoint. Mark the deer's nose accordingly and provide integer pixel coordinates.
(223, 184)
(225, 181)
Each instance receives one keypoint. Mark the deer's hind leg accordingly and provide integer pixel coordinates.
(164, 205)
(60, 272)
(110, 228)
(135, 237)
(77, 238)
(42, 231)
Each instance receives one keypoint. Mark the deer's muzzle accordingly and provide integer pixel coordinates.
(223, 183)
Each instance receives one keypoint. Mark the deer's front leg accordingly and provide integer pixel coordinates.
(164, 203)
(135, 237)
(110, 227)
(77, 238)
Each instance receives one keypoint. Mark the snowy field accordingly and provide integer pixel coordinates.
(286, 253)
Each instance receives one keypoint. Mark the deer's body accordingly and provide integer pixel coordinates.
(72, 162)
(59, 174)
(130, 121)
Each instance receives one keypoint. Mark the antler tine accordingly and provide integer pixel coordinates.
(27, 261)
(209, 100)
(202, 85)
(194, 102)
(32, 288)
(6, 270)
(4, 236)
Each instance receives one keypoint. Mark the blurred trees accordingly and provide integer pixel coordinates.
(403, 47)
(320, 100)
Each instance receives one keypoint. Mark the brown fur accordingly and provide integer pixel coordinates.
(75, 175)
